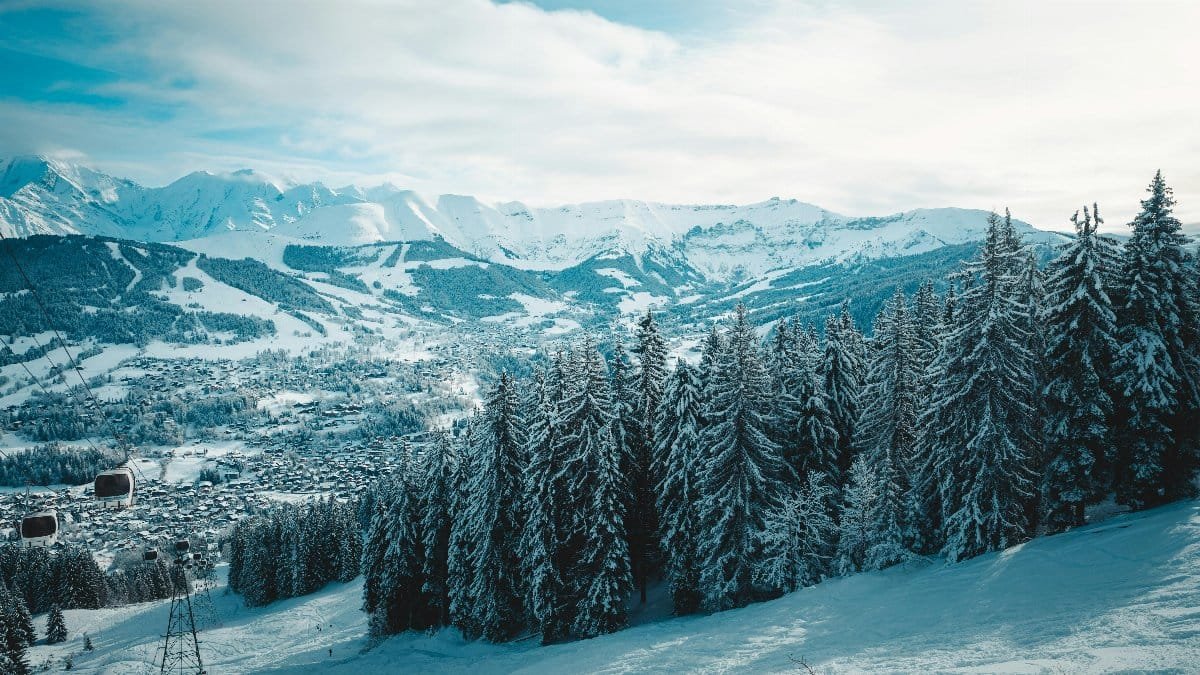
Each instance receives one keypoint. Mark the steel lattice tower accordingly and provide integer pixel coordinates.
(181, 649)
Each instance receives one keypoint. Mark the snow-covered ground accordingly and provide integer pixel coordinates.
(1121, 595)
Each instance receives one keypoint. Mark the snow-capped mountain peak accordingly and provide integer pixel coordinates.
(39, 195)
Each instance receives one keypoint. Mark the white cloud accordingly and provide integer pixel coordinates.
(861, 109)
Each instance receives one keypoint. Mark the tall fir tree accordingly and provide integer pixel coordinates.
(887, 427)
(391, 559)
(741, 478)
(630, 438)
(790, 370)
(547, 498)
(842, 370)
(642, 521)
(436, 497)
(977, 425)
(1156, 366)
(461, 557)
(679, 456)
(493, 514)
(599, 578)
(816, 439)
(1080, 327)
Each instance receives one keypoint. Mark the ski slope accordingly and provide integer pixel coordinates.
(1120, 595)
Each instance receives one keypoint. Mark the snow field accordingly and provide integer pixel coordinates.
(1120, 595)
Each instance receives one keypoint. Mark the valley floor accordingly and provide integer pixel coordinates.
(1120, 595)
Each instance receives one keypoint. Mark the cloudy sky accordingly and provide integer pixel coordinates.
(863, 107)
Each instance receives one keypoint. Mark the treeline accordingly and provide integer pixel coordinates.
(294, 549)
(257, 279)
(32, 581)
(964, 424)
(54, 464)
(70, 578)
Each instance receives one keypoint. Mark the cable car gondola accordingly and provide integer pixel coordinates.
(115, 488)
(150, 555)
(40, 529)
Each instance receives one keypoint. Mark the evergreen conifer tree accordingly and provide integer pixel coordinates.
(436, 488)
(857, 532)
(679, 456)
(1081, 340)
(493, 515)
(741, 478)
(977, 427)
(547, 495)
(842, 370)
(1156, 366)
(56, 626)
(642, 521)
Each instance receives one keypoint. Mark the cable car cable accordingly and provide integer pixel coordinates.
(47, 391)
(75, 365)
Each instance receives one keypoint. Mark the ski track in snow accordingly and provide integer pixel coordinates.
(1120, 595)
(115, 250)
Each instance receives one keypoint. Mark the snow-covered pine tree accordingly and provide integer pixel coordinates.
(742, 476)
(859, 518)
(460, 563)
(1156, 365)
(599, 580)
(808, 346)
(391, 556)
(922, 507)
(816, 438)
(642, 521)
(493, 514)
(604, 565)
(679, 456)
(926, 325)
(789, 368)
(56, 626)
(782, 350)
(1080, 328)
(629, 436)
(436, 488)
(798, 537)
(710, 352)
(976, 429)
(16, 626)
(547, 495)
(1031, 294)
(13, 636)
(950, 308)
(842, 370)
(350, 543)
(22, 619)
(887, 427)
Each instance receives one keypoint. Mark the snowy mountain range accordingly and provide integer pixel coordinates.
(39, 195)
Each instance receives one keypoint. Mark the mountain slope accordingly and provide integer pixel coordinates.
(1120, 595)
